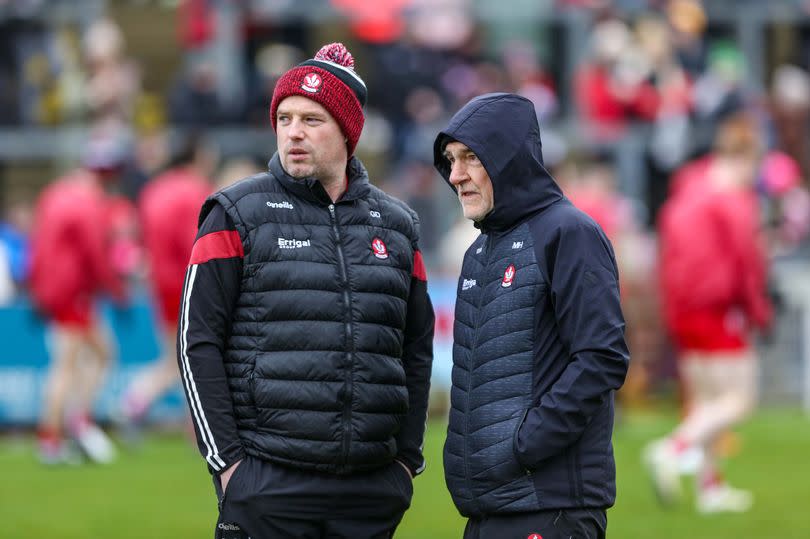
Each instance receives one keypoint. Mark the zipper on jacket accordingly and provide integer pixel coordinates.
(347, 404)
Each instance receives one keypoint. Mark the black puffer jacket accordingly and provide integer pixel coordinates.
(315, 359)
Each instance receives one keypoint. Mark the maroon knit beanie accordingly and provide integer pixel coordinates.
(328, 79)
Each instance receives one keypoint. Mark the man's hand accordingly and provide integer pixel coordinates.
(225, 476)
(406, 468)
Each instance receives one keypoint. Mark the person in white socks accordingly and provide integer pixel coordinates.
(713, 273)
(71, 268)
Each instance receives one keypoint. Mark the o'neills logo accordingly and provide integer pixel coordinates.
(312, 83)
(380, 251)
(293, 244)
(280, 205)
(508, 276)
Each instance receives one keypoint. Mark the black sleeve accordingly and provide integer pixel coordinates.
(585, 298)
(209, 295)
(417, 358)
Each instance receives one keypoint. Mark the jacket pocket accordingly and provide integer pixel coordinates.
(405, 481)
(225, 493)
(237, 474)
(251, 387)
(515, 441)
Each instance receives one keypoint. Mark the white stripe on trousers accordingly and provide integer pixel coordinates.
(212, 457)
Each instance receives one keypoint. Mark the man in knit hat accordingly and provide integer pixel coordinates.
(305, 336)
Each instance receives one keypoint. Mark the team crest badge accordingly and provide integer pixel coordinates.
(379, 248)
(508, 276)
(312, 83)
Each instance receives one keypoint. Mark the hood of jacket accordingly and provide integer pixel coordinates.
(503, 132)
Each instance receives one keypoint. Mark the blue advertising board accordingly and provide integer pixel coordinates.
(24, 355)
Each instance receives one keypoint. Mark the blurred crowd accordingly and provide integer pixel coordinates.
(653, 67)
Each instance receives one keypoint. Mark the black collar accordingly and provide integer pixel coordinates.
(311, 189)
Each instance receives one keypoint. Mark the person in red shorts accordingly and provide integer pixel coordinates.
(714, 291)
(70, 269)
(169, 206)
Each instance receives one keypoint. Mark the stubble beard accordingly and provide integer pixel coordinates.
(470, 212)
(302, 171)
(313, 172)
(476, 211)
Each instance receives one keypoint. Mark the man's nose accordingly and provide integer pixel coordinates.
(457, 174)
(296, 129)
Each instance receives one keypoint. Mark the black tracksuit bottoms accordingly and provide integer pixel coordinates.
(554, 524)
(268, 501)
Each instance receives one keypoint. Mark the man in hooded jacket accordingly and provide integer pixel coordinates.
(539, 343)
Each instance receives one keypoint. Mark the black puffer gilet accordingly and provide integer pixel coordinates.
(314, 354)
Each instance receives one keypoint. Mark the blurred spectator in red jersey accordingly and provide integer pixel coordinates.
(70, 267)
(196, 23)
(713, 277)
(169, 206)
(612, 87)
(375, 21)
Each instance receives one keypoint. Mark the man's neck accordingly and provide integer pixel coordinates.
(335, 185)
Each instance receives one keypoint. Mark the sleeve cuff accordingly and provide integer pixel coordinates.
(415, 468)
(232, 453)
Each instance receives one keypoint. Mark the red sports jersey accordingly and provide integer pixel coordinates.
(70, 262)
(713, 268)
(169, 207)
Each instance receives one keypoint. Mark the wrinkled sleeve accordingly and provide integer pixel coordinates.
(210, 293)
(584, 287)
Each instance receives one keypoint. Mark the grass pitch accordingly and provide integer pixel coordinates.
(163, 490)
